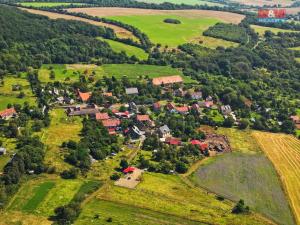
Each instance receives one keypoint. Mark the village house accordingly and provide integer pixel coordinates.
(83, 110)
(101, 116)
(133, 107)
(156, 106)
(144, 121)
(177, 109)
(226, 109)
(296, 121)
(179, 92)
(8, 113)
(132, 91)
(202, 145)
(206, 104)
(135, 133)
(84, 96)
(122, 115)
(2, 151)
(164, 131)
(173, 141)
(111, 125)
(169, 80)
(196, 95)
(108, 94)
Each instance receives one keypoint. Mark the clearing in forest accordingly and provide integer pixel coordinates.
(261, 30)
(187, 2)
(284, 152)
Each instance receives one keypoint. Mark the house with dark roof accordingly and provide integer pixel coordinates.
(8, 113)
(196, 95)
(164, 131)
(132, 91)
(135, 133)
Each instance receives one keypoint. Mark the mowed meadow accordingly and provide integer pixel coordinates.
(284, 152)
(151, 22)
(246, 174)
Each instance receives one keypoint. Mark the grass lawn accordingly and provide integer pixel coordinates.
(125, 214)
(48, 4)
(298, 59)
(8, 96)
(128, 49)
(62, 128)
(261, 30)
(187, 2)
(189, 30)
(135, 71)
(168, 193)
(216, 116)
(250, 177)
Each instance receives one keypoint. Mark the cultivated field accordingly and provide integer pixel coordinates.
(261, 30)
(284, 152)
(108, 12)
(167, 194)
(128, 49)
(62, 128)
(121, 32)
(48, 4)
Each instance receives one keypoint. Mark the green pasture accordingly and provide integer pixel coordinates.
(128, 49)
(9, 144)
(187, 2)
(298, 60)
(48, 4)
(261, 30)
(172, 35)
(62, 128)
(215, 115)
(171, 194)
(250, 177)
(8, 96)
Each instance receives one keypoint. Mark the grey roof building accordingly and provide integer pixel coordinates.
(131, 91)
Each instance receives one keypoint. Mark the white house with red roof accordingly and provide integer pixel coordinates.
(8, 113)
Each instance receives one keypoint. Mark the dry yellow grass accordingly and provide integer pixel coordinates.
(108, 12)
(13, 218)
(284, 152)
(121, 32)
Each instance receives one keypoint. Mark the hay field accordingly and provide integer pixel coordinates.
(264, 2)
(261, 30)
(120, 32)
(284, 152)
(187, 2)
(109, 12)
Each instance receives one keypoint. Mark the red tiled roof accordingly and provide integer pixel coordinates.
(111, 122)
(173, 141)
(8, 112)
(170, 106)
(202, 145)
(182, 109)
(142, 118)
(102, 116)
(195, 142)
(112, 131)
(167, 80)
(156, 105)
(209, 103)
(84, 96)
(129, 169)
(108, 94)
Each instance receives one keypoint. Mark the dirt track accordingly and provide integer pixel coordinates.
(109, 11)
(122, 33)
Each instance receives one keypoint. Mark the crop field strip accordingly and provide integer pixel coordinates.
(284, 152)
(187, 2)
(120, 32)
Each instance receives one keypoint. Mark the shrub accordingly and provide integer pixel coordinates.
(174, 21)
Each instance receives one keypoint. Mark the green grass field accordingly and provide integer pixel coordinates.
(190, 29)
(40, 193)
(248, 177)
(42, 196)
(128, 49)
(48, 4)
(62, 128)
(298, 60)
(261, 30)
(170, 194)
(8, 96)
(125, 214)
(134, 71)
(187, 2)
